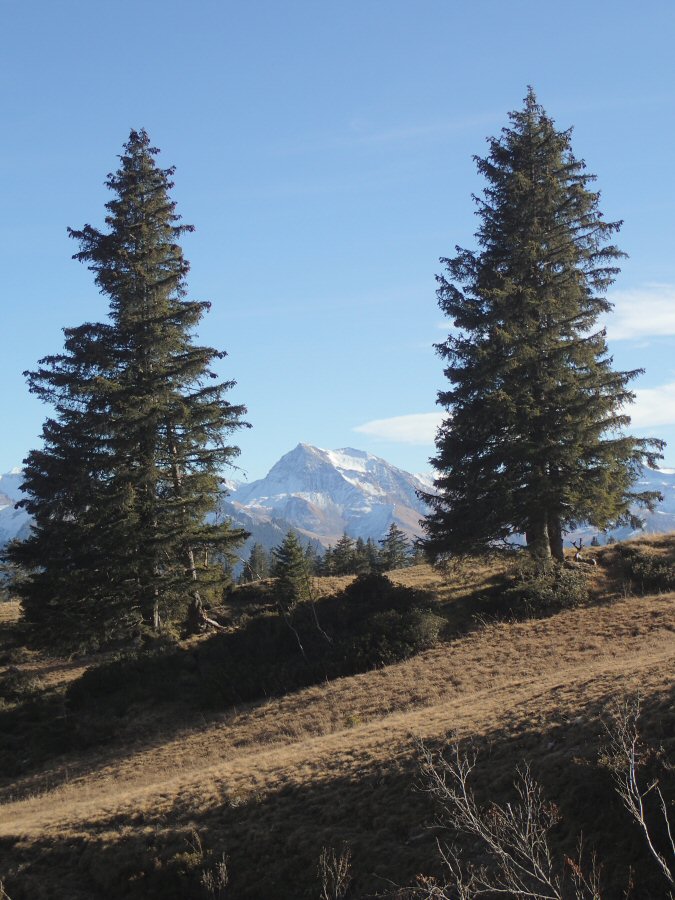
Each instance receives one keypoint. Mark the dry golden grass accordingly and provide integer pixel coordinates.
(273, 782)
(9, 612)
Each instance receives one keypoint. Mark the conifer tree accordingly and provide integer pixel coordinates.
(361, 560)
(129, 471)
(373, 555)
(313, 558)
(343, 556)
(534, 439)
(257, 566)
(395, 553)
(326, 567)
(289, 567)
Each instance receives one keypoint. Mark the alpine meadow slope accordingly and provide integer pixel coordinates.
(145, 804)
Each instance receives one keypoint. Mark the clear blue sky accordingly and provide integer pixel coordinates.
(324, 153)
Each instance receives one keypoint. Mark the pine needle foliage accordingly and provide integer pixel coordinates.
(289, 568)
(125, 488)
(534, 441)
(395, 553)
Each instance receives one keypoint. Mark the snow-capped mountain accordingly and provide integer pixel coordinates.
(662, 520)
(13, 522)
(323, 493)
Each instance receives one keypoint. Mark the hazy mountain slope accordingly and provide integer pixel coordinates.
(13, 522)
(323, 493)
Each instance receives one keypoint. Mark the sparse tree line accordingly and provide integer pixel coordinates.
(349, 556)
(124, 489)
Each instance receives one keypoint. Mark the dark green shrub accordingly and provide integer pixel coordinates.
(17, 685)
(371, 623)
(535, 591)
(647, 570)
(394, 636)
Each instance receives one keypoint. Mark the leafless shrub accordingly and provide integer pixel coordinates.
(215, 880)
(642, 797)
(334, 873)
(514, 836)
(3, 893)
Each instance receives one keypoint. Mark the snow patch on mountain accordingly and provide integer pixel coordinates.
(13, 522)
(323, 493)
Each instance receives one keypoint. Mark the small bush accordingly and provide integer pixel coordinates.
(649, 571)
(535, 591)
(371, 623)
(17, 686)
(393, 636)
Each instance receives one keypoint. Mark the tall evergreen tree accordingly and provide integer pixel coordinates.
(257, 566)
(361, 560)
(395, 553)
(313, 558)
(129, 471)
(289, 567)
(343, 556)
(374, 556)
(326, 566)
(534, 439)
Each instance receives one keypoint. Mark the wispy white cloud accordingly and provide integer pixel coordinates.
(365, 133)
(648, 311)
(653, 406)
(639, 313)
(417, 428)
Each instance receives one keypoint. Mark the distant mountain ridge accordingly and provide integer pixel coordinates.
(323, 493)
(13, 522)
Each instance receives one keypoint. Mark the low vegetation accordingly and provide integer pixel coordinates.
(649, 567)
(238, 765)
(371, 623)
(536, 590)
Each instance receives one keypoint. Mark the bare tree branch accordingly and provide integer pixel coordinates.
(335, 873)
(515, 836)
(627, 757)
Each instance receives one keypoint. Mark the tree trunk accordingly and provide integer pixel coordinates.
(537, 539)
(155, 612)
(196, 611)
(555, 536)
(195, 617)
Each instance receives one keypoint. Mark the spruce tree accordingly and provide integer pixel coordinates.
(257, 566)
(326, 567)
(534, 439)
(361, 559)
(395, 553)
(373, 556)
(289, 568)
(122, 490)
(313, 558)
(343, 556)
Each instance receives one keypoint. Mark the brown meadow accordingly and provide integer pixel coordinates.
(269, 784)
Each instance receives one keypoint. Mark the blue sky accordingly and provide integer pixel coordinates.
(324, 154)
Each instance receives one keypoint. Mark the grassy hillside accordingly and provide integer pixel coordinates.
(111, 792)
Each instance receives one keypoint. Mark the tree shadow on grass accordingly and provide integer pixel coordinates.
(272, 841)
(138, 701)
